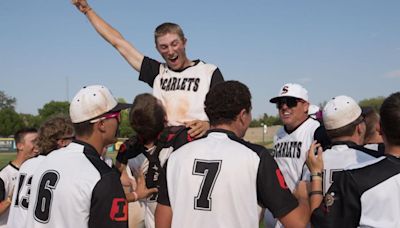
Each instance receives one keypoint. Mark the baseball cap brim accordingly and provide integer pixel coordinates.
(276, 99)
(120, 106)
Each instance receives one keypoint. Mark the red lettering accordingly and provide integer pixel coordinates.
(119, 210)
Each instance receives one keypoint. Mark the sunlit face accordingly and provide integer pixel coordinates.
(29, 145)
(292, 112)
(112, 123)
(172, 48)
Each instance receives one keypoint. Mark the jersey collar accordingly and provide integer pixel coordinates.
(353, 145)
(89, 149)
(220, 130)
(195, 62)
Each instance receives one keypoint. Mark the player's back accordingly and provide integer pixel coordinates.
(73, 187)
(20, 201)
(340, 157)
(212, 183)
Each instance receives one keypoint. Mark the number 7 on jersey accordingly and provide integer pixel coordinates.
(209, 169)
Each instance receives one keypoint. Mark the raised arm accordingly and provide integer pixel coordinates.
(111, 35)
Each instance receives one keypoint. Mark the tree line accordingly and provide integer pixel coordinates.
(11, 121)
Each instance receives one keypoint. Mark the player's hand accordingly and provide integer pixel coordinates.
(82, 5)
(141, 190)
(314, 161)
(197, 128)
(127, 182)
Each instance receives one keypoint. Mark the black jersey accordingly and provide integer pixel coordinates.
(367, 196)
(220, 181)
(73, 187)
(181, 92)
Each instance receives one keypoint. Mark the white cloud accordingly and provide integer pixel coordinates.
(393, 74)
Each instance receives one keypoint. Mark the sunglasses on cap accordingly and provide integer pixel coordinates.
(290, 102)
(110, 115)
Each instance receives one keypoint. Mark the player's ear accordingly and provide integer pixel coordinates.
(306, 106)
(100, 126)
(242, 116)
(20, 146)
(379, 128)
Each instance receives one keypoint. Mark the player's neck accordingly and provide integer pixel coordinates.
(392, 150)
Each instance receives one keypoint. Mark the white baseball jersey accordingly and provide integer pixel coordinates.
(8, 178)
(220, 181)
(364, 196)
(20, 200)
(181, 92)
(151, 161)
(379, 147)
(290, 149)
(341, 156)
(73, 187)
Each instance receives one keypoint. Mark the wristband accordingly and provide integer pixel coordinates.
(312, 178)
(315, 193)
(319, 174)
(316, 176)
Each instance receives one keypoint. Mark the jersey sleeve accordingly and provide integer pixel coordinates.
(109, 207)
(129, 149)
(216, 78)
(2, 190)
(322, 137)
(272, 191)
(149, 70)
(163, 197)
(341, 206)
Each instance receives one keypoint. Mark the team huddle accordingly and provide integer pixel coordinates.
(188, 164)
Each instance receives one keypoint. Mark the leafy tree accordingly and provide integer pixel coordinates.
(375, 103)
(125, 129)
(53, 108)
(30, 120)
(10, 122)
(6, 101)
(265, 119)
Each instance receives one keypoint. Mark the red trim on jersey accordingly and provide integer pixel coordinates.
(119, 210)
(122, 148)
(281, 179)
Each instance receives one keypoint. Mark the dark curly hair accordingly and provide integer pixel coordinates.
(390, 119)
(225, 101)
(147, 117)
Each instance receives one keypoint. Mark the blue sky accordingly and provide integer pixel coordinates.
(48, 50)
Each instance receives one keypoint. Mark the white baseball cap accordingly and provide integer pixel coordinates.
(93, 101)
(291, 90)
(313, 109)
(340, 111)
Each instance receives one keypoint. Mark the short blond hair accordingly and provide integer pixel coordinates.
(168, 27)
